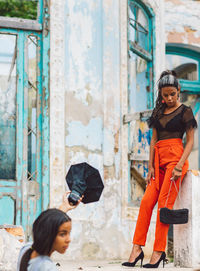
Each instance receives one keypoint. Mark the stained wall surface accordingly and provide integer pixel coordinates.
(88, 100)
(182, 21)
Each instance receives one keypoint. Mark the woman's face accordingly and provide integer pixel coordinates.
(170, 96)
(62, 239)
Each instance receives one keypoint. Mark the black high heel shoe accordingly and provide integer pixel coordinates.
(162, 258)
(140, 257)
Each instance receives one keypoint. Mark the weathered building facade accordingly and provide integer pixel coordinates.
(103, 81)
(99, 67)
(114, 52)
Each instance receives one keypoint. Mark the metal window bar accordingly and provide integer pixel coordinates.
(13, 61)
(138, 24)
(135, 48)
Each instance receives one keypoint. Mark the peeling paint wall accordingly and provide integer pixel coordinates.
(89, 99)
(83, 83)
(182, 21)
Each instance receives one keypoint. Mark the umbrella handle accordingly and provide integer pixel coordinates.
(73, 198)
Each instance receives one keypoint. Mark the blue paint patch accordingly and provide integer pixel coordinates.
(137, 83)
(7, 210)
(87, 68)
(140, 135)
(148, 137)
(142, 140)
(89, 136)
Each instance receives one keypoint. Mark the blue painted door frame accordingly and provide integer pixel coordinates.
(22, 198)
(141, 44)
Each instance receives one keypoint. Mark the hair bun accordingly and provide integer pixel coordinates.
(168, 72)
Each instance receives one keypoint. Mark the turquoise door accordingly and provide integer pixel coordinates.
(24, 128)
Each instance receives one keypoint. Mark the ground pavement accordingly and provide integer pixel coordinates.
(110, 266)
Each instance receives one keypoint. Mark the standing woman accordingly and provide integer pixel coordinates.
(170, 119)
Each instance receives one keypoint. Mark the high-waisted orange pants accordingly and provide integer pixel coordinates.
(167, 154)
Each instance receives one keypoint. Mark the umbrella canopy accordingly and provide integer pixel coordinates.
(83, 179)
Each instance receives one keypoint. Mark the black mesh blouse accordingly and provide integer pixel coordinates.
(174, 124)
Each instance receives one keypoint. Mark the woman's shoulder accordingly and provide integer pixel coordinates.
(41, 263)
(25, 247)
(21, 253)
(187, 112)
(186, 108)
(188, 118)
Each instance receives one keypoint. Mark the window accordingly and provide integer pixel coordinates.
(185, 60)
(7, 106)
(140, 94)
(139, 26)
(185, 67)
(140, 37)
(24, 99)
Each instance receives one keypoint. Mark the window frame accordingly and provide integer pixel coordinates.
(149, 57)
(141, 52)
(15, 188)
(193, 52)
(136, 48)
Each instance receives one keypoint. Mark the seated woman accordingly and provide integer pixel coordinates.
(51, 232)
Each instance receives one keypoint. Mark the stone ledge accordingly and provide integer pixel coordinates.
(11, 240)
(186, 236)
(15, 230)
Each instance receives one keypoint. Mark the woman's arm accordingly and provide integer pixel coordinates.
(65, 206)
(154, 139)
(177, 172)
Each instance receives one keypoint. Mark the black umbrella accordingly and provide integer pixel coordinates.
(84, 179)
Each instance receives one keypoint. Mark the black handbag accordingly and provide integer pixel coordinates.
(178, 216)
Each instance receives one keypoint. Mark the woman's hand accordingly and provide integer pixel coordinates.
(176, 173)
(150, 175)
(65, 206)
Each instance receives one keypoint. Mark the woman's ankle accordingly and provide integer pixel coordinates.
(137, 247)
(136, 250)
(155, 256)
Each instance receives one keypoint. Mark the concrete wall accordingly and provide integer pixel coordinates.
(182, 21)
(88, 100)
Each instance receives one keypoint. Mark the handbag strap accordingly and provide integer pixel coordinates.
(178, 192)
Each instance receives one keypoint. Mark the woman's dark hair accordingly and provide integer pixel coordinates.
(167, 78)
(45, 229)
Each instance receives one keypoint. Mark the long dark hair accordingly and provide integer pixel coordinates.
(45, 229)
(167, 78)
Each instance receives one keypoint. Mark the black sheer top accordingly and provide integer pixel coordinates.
(174, 124)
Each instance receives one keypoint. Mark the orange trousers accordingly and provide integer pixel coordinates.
(167, 154)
